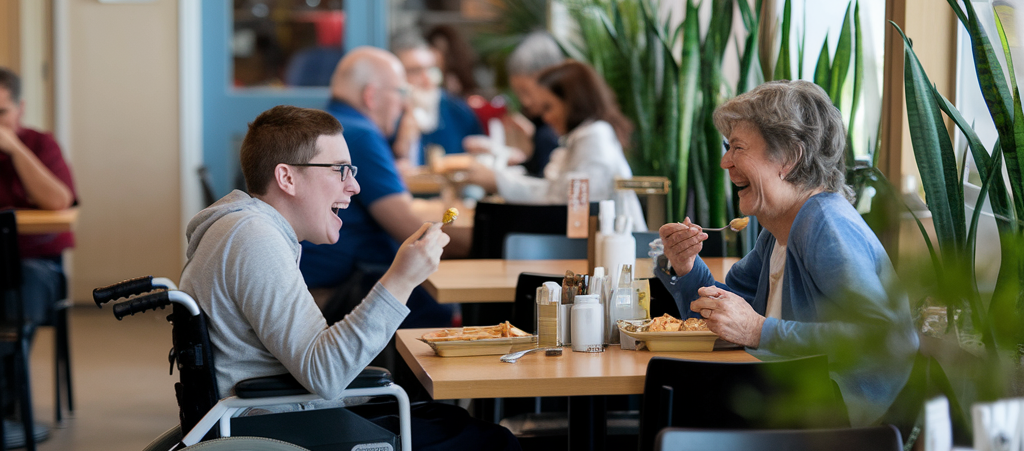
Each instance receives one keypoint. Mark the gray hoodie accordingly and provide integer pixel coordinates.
(243, 270)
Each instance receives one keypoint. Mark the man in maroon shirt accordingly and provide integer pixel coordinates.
(33, 175)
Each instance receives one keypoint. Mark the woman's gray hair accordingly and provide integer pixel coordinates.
(537, 52)
(801, 128)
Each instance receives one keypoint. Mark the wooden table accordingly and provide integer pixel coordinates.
(45, 221)
(494, 280)
(584, 377)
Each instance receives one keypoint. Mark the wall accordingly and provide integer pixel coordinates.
(122, 71)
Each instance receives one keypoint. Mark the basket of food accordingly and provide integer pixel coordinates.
(666, 333)
(480, 340)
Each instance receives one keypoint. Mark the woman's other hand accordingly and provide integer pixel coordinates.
(481, 175)
(682, 241)
(477, 144)
(416, 260)
(729, 316)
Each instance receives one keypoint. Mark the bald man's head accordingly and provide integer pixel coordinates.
(372, 81)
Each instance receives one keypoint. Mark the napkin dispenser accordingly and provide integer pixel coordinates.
(549, 296)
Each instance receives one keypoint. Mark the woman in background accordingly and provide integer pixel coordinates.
(580, 106)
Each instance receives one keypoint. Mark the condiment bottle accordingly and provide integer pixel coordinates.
(622, 302)
(587, 324)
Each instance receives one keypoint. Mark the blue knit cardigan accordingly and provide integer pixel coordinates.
(840, 297)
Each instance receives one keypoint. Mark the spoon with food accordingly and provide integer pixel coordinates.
(450, 215)
(448, 218)
(735, 225)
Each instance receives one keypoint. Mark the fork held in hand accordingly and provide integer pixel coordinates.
(513, 357)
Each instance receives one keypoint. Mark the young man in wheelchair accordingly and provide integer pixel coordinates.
(243, 270)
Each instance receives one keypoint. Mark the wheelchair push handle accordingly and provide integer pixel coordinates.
(130, 287)
(122, 289)
(142, 303)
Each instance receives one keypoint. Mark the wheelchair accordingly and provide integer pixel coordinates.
(207, 422)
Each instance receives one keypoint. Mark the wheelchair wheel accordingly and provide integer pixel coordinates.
(244, 444)
(165, 441)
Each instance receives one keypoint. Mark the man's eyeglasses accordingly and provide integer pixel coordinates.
(346, 170)
(403, 91)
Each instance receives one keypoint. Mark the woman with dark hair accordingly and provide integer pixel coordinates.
(579, 105)
(456, 59)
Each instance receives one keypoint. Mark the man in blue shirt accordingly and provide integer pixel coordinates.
(433, 116)
(368, 91)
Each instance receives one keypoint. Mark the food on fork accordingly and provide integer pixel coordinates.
(739, 223)
(452, 213)
(503, 330)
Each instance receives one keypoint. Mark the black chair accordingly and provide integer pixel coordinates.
(14, 341)
(493, 221)
(786, 394)
(201, 408)
(61, 353)
(207, 186)
(662, 301)
(879, 438)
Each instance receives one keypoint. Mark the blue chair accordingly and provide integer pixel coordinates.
(535, 246)
(538, 246)
(643, 242)
(878, 438)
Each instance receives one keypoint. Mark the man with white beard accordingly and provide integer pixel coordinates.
(432, 116)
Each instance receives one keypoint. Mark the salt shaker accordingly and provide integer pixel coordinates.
(587, 324)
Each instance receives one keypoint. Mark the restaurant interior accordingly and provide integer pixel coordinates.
(900, 324)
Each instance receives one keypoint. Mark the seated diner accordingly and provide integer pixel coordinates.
(818, 280)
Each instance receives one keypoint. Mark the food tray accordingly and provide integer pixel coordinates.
(675, 341)
(487, 346)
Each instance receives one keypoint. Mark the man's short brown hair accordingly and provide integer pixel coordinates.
(282, 134)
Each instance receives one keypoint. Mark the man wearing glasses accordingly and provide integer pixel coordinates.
(242, 269)
(432, 116)
(367, 96)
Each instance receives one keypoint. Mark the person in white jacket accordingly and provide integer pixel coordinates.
(580, 106)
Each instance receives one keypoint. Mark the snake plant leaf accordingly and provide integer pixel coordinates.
(800, 45)
(782, 69)
(822, 70)
(998, 194)
(841, 61)
(749, 51)
(934, 153)
(997, 96)
(858, 80)
(688, 72)
(995, 173)
(1018, 129)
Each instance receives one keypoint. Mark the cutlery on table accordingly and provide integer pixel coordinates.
(513, 357)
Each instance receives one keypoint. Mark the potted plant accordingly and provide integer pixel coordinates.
(995, 316)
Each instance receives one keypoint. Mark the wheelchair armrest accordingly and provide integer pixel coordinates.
(371, 376)
(269, 386)
(286, 385)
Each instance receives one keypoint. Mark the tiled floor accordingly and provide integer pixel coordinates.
(124, 396)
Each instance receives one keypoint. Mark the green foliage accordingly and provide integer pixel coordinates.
(517, 18)
(668, 82)
(998, 318)
(832, 72)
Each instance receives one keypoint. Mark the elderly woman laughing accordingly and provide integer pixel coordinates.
(817, 281)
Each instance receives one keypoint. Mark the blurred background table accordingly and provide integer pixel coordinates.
(45, 221)
(494, 280)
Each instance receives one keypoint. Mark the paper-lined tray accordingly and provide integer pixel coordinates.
(676, 341)
(488, 346)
